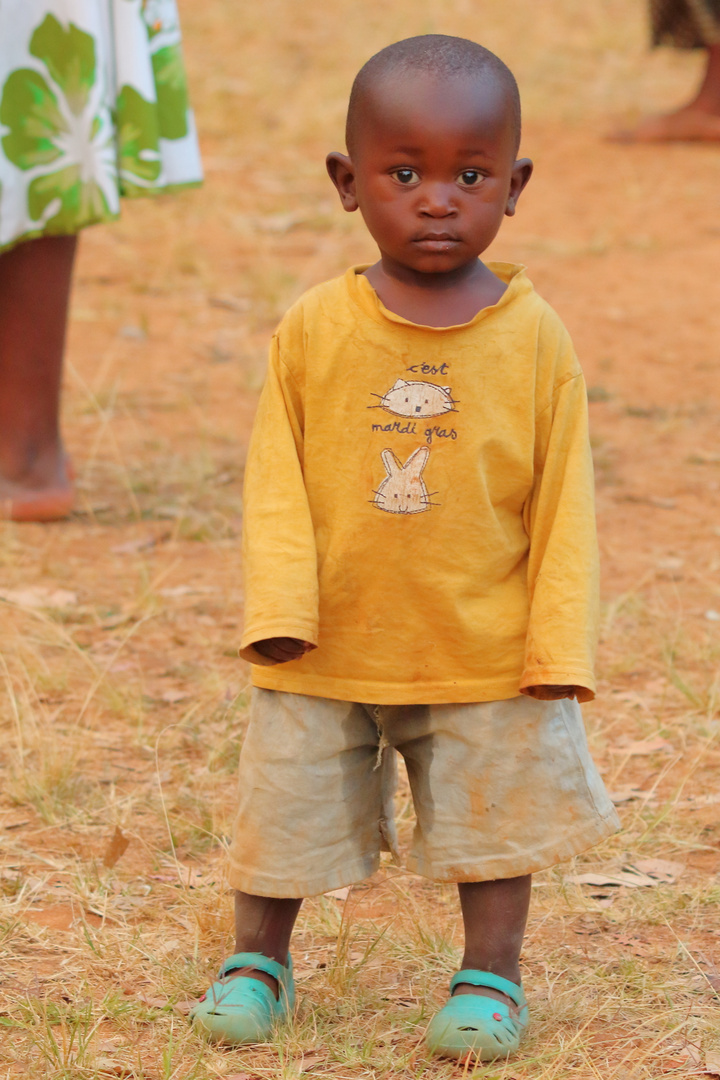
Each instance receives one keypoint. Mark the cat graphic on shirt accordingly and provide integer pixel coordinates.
(416, 399)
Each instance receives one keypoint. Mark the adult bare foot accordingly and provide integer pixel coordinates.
(688, 124)
(45, 493)
(697, 121)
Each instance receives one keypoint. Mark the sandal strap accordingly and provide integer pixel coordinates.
(492, 982)
(257, 961)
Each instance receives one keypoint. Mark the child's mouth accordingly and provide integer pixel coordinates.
(436, 241)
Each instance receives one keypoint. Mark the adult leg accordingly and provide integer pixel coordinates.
(698, 121)
(35, 279)
(707, 99)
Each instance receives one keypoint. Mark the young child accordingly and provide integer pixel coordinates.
(420, 560)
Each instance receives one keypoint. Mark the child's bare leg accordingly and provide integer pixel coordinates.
(495, 914)
(698, 121)
(35, 280)
(263, 924)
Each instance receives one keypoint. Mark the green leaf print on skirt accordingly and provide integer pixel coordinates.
(171, 89)
(69, 55)
(137, 127)
(93, 106)
(30, 109)
(52, 124)
(79, 200)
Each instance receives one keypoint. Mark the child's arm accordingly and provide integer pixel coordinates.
(279, 554)
(563, 558)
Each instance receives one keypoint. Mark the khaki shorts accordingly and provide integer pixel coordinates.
(501, 789)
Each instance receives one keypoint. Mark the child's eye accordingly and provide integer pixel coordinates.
(406, 176)
(470, 177)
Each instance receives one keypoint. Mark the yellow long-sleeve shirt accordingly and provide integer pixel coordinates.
(419, 502)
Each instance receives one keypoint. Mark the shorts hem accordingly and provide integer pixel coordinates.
(259, 885)
(518, 865)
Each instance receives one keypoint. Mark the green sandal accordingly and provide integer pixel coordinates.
(472, 1023)
(243, 1009)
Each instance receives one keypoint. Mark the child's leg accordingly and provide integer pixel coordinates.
(263, 924)
(487, 1011)
(245, 1003)
(495, 914)
(35, 282)
(500, 788)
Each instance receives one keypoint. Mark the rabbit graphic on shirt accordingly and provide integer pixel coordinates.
(403, 490)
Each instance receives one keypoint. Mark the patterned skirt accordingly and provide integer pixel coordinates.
(93, 105)
(686, 24)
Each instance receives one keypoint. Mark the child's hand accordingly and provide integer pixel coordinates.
(282, 649)
(551, 693)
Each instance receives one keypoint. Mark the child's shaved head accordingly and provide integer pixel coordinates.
(438, 56)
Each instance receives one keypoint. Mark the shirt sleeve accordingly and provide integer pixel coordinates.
(563, 558)
(279, 554)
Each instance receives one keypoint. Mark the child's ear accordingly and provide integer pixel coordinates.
(521, 173)
(342, 174)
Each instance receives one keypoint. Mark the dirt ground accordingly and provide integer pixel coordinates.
(123, 702)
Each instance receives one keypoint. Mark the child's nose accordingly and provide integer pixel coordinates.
(438, 200)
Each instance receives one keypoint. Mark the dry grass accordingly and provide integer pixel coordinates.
(122, 703)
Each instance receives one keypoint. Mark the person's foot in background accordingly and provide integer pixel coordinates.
(698, 121)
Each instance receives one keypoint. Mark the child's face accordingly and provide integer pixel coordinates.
(433, 170)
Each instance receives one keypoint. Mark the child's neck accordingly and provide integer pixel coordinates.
(436, 299)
